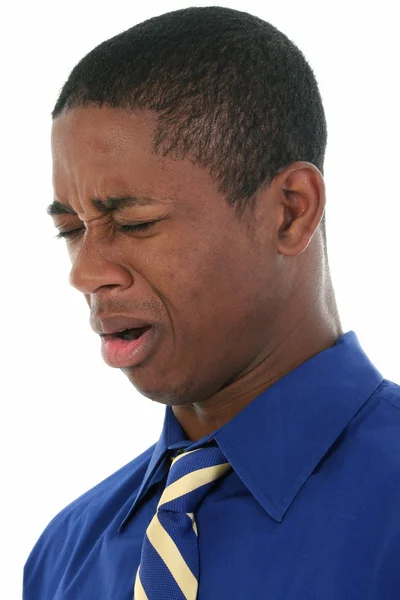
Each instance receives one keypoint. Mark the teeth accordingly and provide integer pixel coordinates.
(130, 334)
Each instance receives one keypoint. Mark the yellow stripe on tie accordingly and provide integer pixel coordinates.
(140, 594)
(169, 553)
(174, 460)
(192, 481)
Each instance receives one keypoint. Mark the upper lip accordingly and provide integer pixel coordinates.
(109, 324)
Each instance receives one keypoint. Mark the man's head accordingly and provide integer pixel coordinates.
(217, 116)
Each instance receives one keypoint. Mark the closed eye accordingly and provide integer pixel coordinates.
(124, 228)
(68, 234)
(138, 227)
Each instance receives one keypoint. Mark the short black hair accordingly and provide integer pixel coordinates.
(230, 90)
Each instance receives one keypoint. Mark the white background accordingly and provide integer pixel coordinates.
(68, 420)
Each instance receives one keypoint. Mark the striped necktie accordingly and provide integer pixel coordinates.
(169, 564)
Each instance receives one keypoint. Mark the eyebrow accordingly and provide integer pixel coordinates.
(107, 205)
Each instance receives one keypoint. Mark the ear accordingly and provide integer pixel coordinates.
(300, 191)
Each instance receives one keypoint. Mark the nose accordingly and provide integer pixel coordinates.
(93, 267)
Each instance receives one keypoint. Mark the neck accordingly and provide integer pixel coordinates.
(311, 327)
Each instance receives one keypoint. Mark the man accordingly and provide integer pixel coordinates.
(188, 180)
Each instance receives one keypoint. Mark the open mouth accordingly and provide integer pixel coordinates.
(129, 347)
(130, 334)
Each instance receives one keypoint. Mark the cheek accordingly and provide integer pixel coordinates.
(213, 289)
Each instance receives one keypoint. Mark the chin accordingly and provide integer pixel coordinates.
(157, 388)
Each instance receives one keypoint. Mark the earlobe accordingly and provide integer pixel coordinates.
(302, 200)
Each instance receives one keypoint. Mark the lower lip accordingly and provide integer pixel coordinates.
(128, 353)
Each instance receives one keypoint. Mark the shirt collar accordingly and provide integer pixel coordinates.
(276, 442)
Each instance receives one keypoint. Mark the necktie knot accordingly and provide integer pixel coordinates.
(191, 476)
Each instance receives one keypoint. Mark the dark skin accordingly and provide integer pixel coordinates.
(238, 303)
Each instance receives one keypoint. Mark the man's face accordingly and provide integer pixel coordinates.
(209, 285)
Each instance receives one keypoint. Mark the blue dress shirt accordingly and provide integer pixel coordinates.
(310, 511)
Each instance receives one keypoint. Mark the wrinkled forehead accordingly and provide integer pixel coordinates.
(105, 151)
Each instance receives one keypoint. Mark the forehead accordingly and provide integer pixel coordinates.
(84, 131)
(100, 152)
(95, 148)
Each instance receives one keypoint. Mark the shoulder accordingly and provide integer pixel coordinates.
(376, 475)
(389, 391)
(370, 451)
(60, 536)
(364, 460)
(377, 425)
(381, 417)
